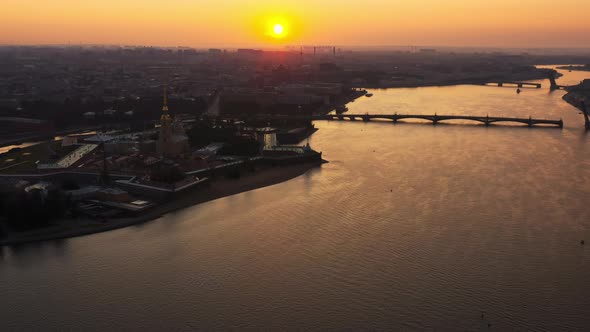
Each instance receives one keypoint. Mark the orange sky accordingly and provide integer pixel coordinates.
(203, 23)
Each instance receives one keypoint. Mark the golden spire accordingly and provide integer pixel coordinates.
(165, 105)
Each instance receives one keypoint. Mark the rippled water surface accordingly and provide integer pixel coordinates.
(410, 226)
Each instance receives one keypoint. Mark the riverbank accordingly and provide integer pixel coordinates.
(219, 188)
(16, 142)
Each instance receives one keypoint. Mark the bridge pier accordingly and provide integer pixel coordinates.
(487, 121)
(586, 117)
(553, 82)
(366, 118)
(500, 84)
(530, 121)
(434, 119)
(395, 118)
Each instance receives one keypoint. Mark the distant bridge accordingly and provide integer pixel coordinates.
(518, 84)
(435, 119)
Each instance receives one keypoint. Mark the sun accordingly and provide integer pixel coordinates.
(278, 29)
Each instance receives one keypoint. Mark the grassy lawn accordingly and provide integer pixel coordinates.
(24, 160)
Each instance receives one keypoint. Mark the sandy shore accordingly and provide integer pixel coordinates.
(219, 188)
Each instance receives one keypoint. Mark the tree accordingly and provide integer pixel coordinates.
(167, 174)
(34, 209)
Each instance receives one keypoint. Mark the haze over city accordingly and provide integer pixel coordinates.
(232, 23)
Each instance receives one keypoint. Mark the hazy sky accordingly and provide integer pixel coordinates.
(497, 23)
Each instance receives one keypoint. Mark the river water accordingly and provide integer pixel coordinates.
(409, 227)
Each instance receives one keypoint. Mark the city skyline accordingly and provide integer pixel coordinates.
(227, 23)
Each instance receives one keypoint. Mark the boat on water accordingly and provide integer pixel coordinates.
(369, 95)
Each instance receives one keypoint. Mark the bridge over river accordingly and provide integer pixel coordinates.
(517, 84)
(435, 119)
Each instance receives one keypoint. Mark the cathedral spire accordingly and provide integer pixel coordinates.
(165, 104)
(172, 140)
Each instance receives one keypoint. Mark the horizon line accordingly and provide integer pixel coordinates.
(260, 46)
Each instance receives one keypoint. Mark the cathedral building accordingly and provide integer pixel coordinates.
(172, 140)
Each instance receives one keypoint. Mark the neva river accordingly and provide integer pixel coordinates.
(409, 227)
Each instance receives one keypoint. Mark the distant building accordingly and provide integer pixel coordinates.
(99, 138)
(69, 140)
(89, 115)
(210, 149)
(41, 186)
(19, 125)
(328, 66)
(267, 137)
(109, 111)
(249, 52)
(113, 194)
(9, 103)
(158, 190)
(87, 192)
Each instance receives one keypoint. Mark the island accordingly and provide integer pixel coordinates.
(579, 97)
(585, 67)
(95, 182)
